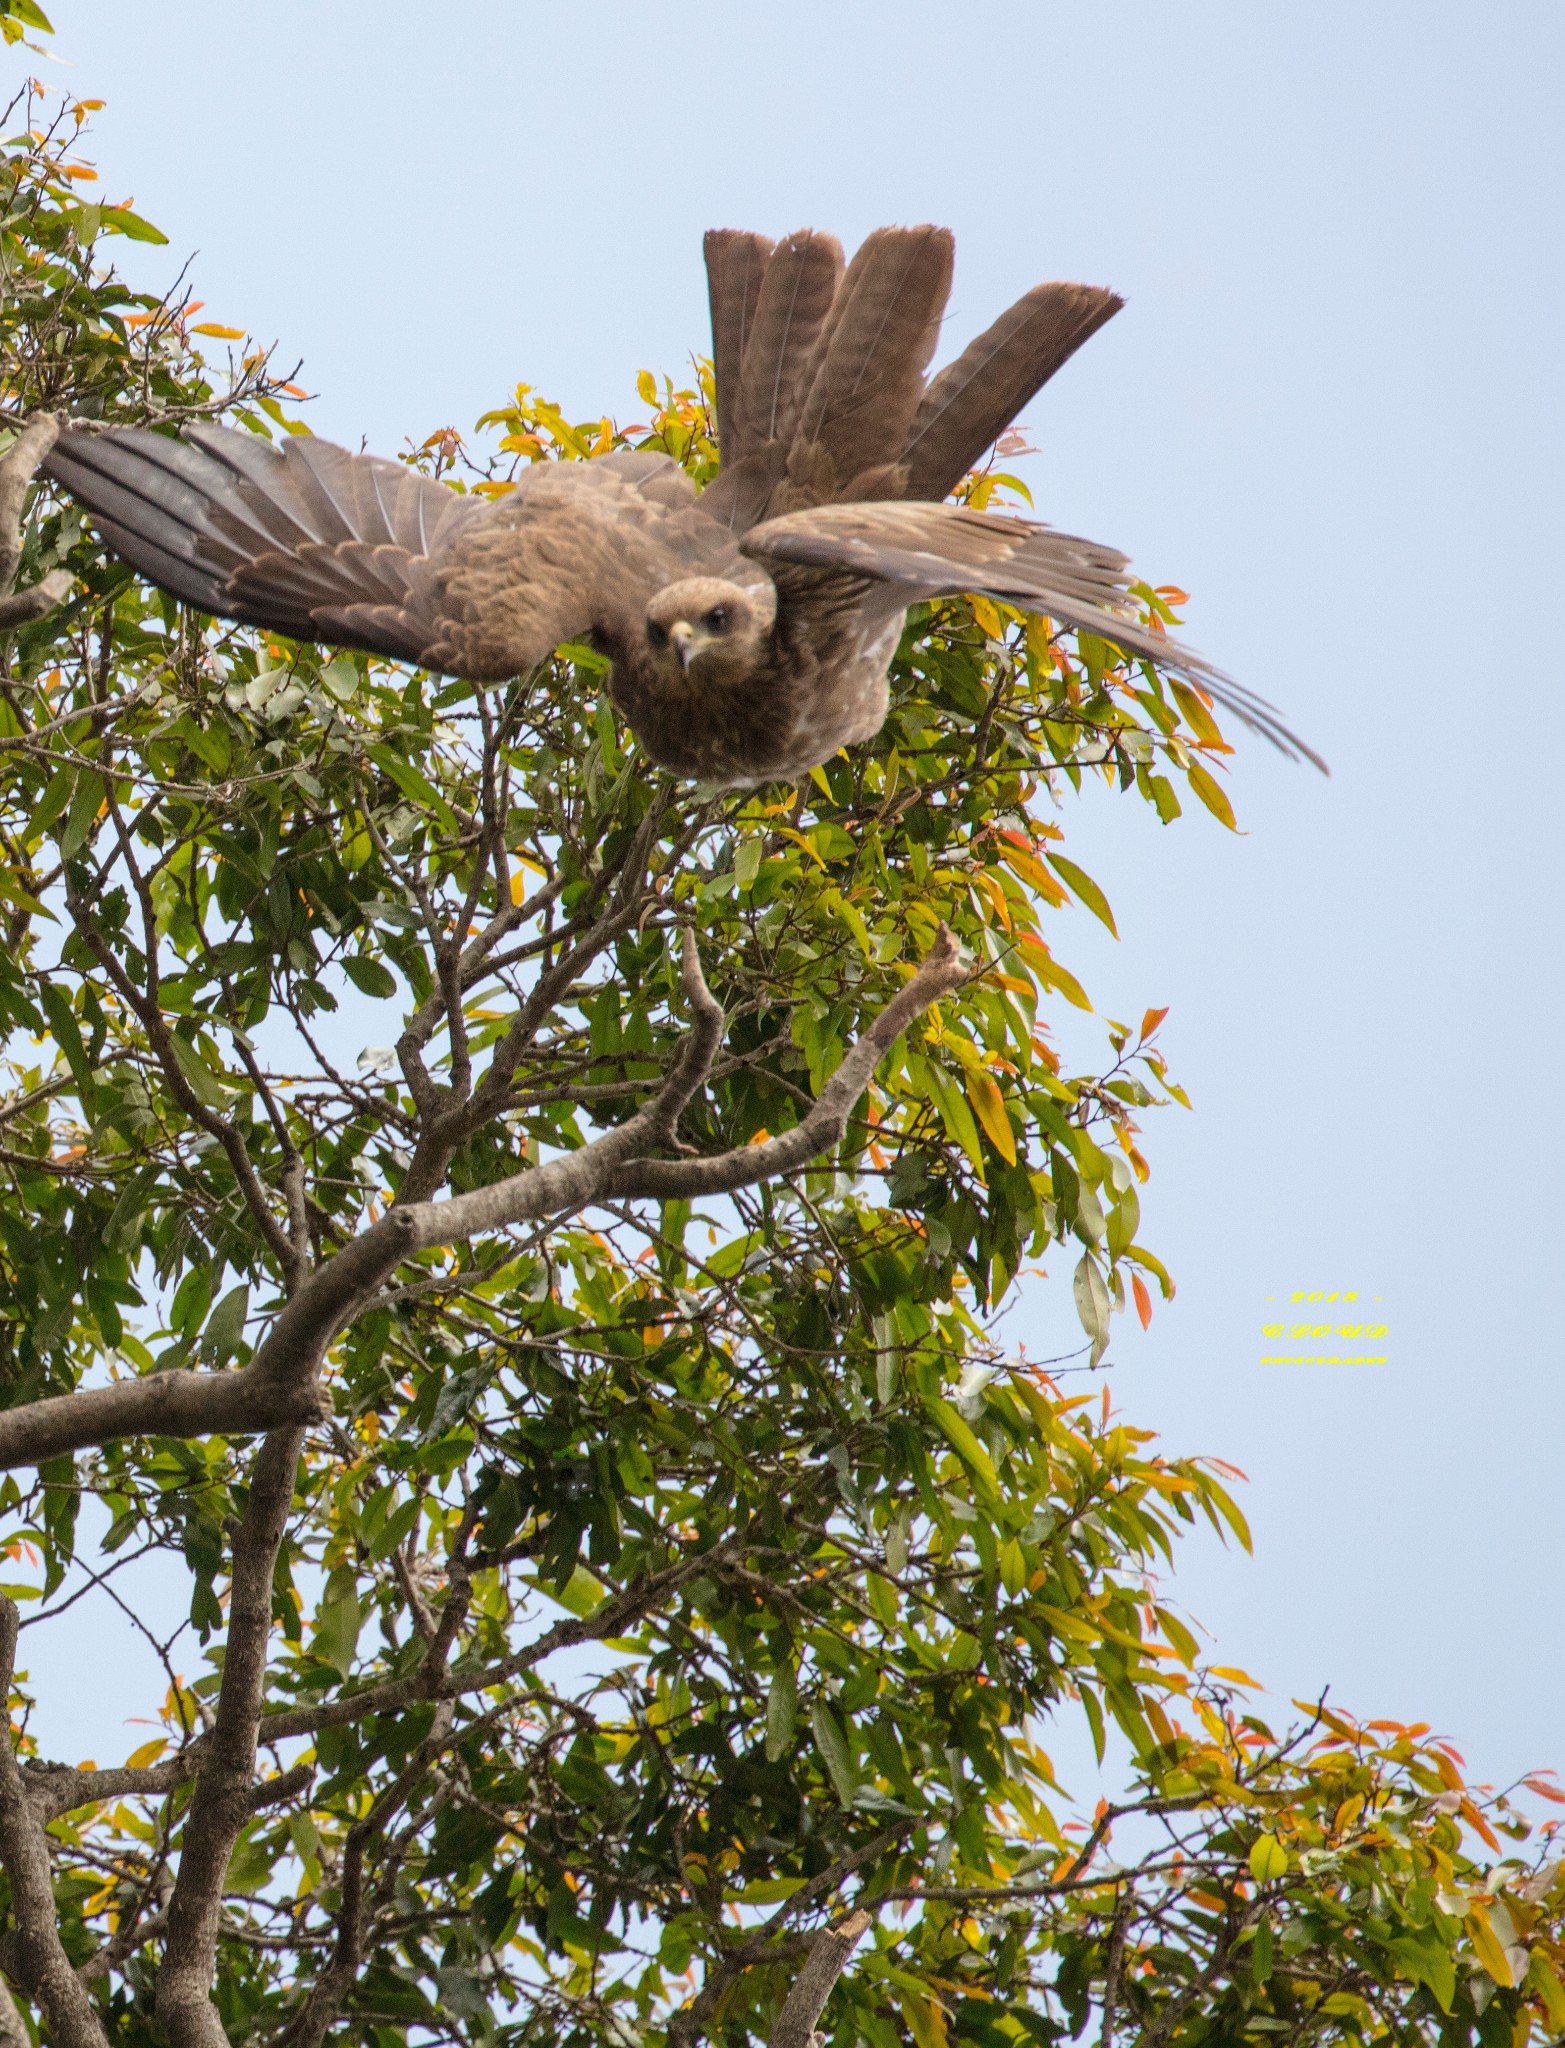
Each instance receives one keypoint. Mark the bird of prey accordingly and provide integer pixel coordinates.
(750, 625)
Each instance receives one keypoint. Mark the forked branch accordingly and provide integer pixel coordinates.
(280, 1386)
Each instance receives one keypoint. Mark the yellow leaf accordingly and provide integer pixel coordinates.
(987, 617)
(926, 2020)
(1082, 886)
(1541, 1976)
(1212, 795)
(222, 333)
(1486, 1946)
(1197, 709)
(1051, 973)
(1015, 852)
(989, 1108)
(148, 1753)
(1268, 1859)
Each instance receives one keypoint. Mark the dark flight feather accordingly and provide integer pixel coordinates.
(973, 400)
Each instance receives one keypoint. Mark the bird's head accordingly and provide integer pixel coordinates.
(704, 629)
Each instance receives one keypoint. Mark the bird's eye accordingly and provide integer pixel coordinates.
(657, 635)
(716, 620)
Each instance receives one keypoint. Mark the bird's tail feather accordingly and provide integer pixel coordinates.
(973, 400)
(862, 384)
(736, 264)
(801, 284)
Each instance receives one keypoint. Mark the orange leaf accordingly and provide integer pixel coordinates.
(1480, 1827)
(1151, 1021)
(1545, 1791)
(1138, 1288)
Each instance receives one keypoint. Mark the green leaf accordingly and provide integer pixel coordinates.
(206, 1085)
(832, 1744)
(337, 1621)
(368, 975)
(86, 803)
(1083, 887)
(782, 1712)
(1092, 1303)
(413, 783)
(967, 1447)
(224, 1332)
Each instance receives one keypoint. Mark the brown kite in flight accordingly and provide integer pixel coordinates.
(749, 625)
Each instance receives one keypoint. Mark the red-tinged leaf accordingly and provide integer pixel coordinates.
(1138, 1288)
(1084, 888)
(1151, 1021)
(1545, 1791)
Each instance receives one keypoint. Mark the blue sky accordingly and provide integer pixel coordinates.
(1330, 409)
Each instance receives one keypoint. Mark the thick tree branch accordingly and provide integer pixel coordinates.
(828, 1958)
(36, 1951)
(224, 1796)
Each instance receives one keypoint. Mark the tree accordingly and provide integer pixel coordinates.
(627, 1581)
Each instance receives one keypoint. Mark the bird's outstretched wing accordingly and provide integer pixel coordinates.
(917, 551)
(312, 541)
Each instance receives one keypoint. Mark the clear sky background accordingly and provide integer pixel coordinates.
(1330, 409)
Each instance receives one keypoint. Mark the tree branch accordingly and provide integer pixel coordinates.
(280, 1386)
(36, 1950)
(825, 1963)
(224, 1796)
(18, 466)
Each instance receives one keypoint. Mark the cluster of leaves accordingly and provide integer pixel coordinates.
(668, 1576)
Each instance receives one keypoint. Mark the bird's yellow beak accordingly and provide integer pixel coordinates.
(682, 638)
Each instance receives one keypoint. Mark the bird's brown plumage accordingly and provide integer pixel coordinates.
(797, 563)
